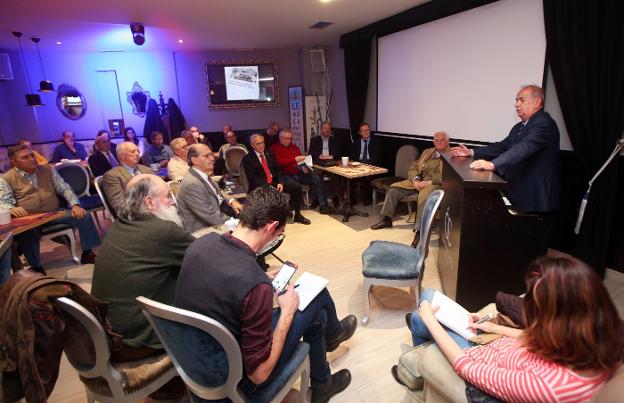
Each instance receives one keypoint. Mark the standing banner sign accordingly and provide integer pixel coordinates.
(295, 101)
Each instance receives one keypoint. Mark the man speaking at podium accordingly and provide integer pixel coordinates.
(528, 158)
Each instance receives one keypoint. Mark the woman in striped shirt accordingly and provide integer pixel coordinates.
(570, 347)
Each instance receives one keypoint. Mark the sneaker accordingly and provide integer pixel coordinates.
(339, 382)
(87, 257)
(349, 324)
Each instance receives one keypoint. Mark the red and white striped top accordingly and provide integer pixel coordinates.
(508, 371)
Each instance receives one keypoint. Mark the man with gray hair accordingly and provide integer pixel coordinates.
(528, 158)
(199, 198)
(177, 166)
(115, 179)
(423, 177)
(141, 255)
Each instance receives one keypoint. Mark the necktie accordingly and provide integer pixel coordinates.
(111, 159)
(135, 172)
(365, 153)
(267, 171)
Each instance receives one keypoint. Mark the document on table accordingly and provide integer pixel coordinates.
(452, 315)
(308, 287)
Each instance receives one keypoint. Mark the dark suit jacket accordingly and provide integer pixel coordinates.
(528, 159)
(99, 164)
(374, 151)
(316, 147)
(255, 173)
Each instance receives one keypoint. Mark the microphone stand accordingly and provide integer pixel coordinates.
(619, 145)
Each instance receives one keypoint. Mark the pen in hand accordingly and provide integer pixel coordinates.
(486, 317)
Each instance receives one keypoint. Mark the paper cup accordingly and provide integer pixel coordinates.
(5, 217)
(345, 161)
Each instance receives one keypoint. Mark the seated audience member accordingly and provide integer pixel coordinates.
(226, 129)
(69, 149)
(230, 141)
(288, 156)
(271, 136)
(230, 275)
(423, 177)
(325, 146)
(113, 146)
(141, 255)
(29, 188)
(570, 347)
(130, 135)
(157, 152)
(199, 198)
(104, 158)
(365, 149)
(40, 158)
(116, 178)
(177, 166)
(261, 170)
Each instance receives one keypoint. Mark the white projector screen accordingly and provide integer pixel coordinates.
(461, 73)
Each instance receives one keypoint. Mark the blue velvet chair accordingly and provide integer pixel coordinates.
(208, 357)
(397, 265)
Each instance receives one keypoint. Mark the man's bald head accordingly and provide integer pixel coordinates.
(441, 141)
(128, 153)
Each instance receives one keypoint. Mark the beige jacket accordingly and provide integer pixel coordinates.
(428, 167)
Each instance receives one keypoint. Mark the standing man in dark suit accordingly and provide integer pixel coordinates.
(528, 158)
(199, 199)
(104, 158)
(261, 170)
(366, 150)
(325, 146)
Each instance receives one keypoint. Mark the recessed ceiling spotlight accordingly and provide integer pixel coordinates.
(325, 1)
(180, 40)
(59, 42)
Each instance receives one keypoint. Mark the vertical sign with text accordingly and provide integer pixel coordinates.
(295, 100)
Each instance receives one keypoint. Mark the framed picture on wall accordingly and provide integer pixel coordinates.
(116, 127)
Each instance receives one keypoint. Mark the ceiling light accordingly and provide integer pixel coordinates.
(45, 85)
(138, 33)
(59, 42)
(180, 40)
(31, 99)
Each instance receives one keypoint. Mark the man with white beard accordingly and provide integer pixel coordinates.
(141, 255)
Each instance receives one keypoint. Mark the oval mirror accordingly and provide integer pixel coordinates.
(71, 102)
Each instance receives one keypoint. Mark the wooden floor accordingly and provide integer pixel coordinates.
(331, 249)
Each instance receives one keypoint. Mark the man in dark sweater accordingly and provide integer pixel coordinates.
(141, 255)
(228, 285)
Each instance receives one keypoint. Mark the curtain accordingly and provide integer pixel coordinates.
(357, 65)
(585, 49)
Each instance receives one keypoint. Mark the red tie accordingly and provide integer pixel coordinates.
(267, 171)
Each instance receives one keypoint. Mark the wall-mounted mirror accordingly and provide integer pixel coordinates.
(242, 84)
(71, 102)
(138, 97)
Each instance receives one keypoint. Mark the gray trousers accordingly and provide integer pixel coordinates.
(393, 195)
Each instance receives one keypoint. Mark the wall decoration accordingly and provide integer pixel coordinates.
(315, 115)
(116, 127)
(138, 97)
(297, 123)
(242, 84)
(70, 102)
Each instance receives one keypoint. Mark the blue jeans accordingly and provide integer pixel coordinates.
(314, 324)
(29, 241)
(311, 179)
(420, 333)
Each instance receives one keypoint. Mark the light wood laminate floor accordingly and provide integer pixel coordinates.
(331, 249)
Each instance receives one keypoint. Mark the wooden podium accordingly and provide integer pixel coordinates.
(485, 244)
